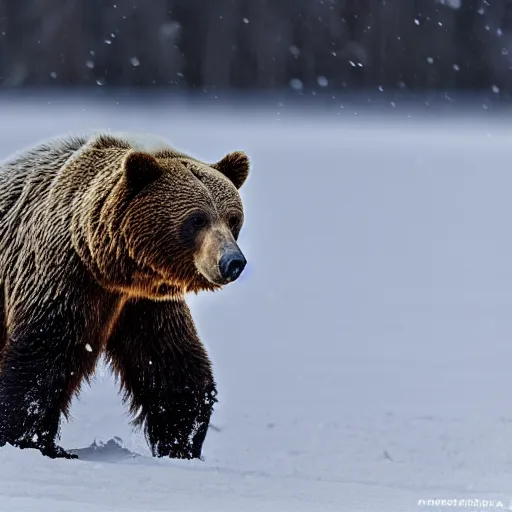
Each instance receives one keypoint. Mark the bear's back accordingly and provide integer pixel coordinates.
(46, 156)
(34, 168)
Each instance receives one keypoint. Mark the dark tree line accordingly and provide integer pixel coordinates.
(260, 44)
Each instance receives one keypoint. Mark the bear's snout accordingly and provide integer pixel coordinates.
(219, 259)
(231, 265)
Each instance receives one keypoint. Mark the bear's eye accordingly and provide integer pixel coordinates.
(233, 222)
(199, 221)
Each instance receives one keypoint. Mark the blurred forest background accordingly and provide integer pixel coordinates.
(258, 44)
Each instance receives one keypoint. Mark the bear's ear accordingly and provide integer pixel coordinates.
(140, 170)
(235, 166)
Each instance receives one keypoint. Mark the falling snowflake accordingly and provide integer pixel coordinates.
(296, 84)
(322, 81)
(294, 51)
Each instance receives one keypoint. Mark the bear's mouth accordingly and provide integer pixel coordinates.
(199, 283)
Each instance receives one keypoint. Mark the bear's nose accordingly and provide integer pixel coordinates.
(231, 265)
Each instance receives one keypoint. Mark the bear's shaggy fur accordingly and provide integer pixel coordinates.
(101, 237)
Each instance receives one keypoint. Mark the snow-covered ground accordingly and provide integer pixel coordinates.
(364, 358)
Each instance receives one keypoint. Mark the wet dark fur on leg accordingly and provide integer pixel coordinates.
(166, 375)
(50, 350)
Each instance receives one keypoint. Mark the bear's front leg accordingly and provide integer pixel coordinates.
(33, 390)
(166, 375)
(45, 360)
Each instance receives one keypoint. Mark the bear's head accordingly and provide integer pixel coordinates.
(179, 222)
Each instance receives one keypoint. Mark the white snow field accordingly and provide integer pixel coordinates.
(363, 359)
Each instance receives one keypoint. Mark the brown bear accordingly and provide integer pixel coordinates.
(101, 237)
